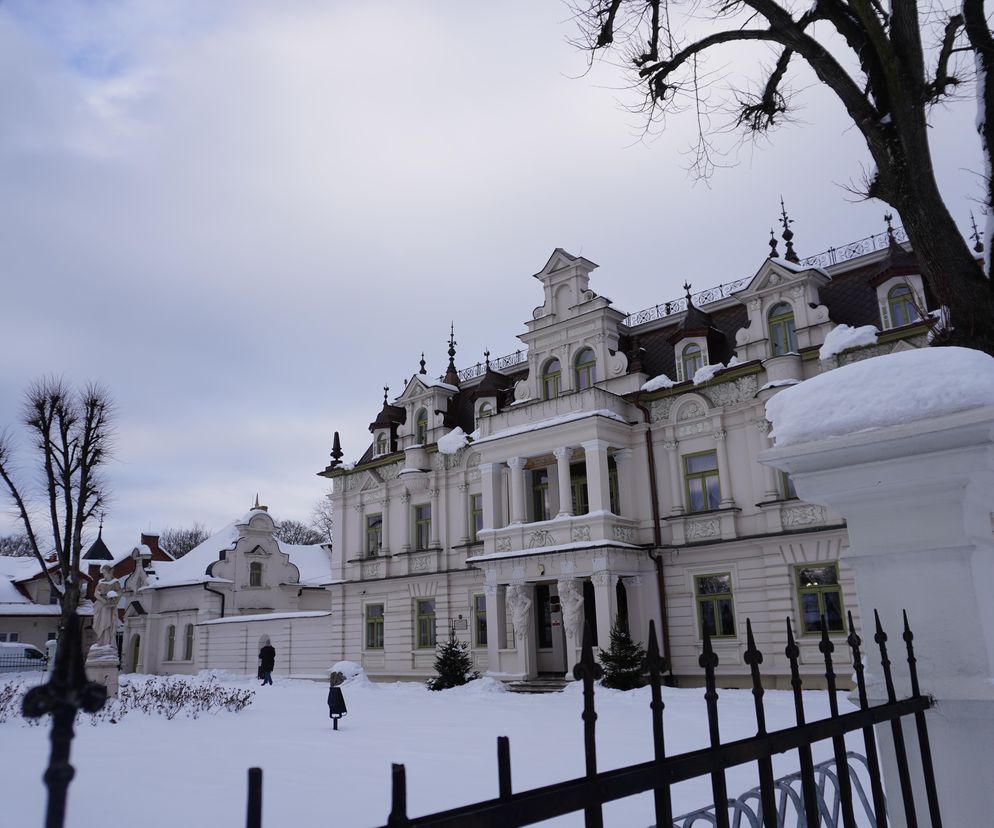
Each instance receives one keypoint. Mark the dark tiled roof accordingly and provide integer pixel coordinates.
(659, 357)
(98, 551)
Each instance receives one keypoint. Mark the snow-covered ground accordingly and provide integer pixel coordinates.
(163, 773)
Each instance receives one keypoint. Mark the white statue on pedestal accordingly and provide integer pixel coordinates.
(105, 608)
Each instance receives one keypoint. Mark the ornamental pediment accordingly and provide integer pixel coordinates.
(774, 274)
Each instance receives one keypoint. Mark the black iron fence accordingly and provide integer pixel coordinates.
(590, 792)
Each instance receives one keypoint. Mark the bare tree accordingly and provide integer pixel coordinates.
(69, 433)
(177, 542)
(323, 518)
(887, 64)
(293, 531)
(16, 545)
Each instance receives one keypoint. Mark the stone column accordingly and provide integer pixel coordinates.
(597, 475)
(563, 454)
(405, 500)
(517, 466)
(676, 476)
(606, 600)
(496, 625)
(769, 473)
(436, 518)
(490, 478)
(724, 479)
(385, 527)
(917, 500)
(462, 514)
(571, 601)
(626, 491)
(520, 600)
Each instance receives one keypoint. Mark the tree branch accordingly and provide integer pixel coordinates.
(937, 87)
(761, 115)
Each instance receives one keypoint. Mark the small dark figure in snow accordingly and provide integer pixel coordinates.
(267, 660)
(336, 699)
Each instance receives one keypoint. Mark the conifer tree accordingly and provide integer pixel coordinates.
(453, 663)
(622, 661)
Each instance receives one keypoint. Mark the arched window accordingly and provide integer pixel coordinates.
(188, 643)
(255, 574)
(692, 360)
(783, 340)
(421, 426)
(170, 642)
(901, 304)
(586, 369)
(485, 410)
(381, 444)
(550, 379)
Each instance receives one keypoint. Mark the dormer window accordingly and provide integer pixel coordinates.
(550, 379)
(586, 369)
(783, 339)
(485, 410)
(901, 304)
(692, 360)
(381, 444)
(421, 426)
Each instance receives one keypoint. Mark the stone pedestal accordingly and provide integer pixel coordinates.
(102, 667)
(918, 499)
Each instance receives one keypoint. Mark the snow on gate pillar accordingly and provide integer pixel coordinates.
(902, 446)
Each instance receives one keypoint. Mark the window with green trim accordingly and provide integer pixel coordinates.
(422, 526)
(475, 515)
(255, 574)
(783, 339)
(425, 622)
(692, 360)
(374, 535)
(170, 642)
(480, 619)
(421, 427)
(374, 626)
(540, 494)
(901, 305)
(701, 479)
(819, 595)
(578, 483)
(188, 643)
(787, 489)
(586, 369)
(715, 611)
(550, 379)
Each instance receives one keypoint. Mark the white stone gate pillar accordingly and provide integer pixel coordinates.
(918, 499)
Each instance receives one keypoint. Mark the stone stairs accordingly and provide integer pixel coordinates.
(542, 684)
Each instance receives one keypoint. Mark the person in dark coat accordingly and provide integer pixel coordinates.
(267, 660)
(336, 702)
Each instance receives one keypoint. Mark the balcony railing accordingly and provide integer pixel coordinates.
(535, 413)
(500, 364)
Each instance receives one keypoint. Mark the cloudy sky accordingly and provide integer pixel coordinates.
(244, 218)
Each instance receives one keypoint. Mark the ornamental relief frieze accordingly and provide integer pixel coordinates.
(730, 393)
(703, 529)
(625, 534)
(659, 410)
(543, 537)
(691, 428)
(390, 472)
(806, 515)
(372, 569)
(580, 533)
(691, 411)
(420, 563)
(503, 545)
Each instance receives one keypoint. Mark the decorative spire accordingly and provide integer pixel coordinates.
(100, 528)
(787, 234)
(451, 374)
(486, 357)
(336, 450)
(889, 217)
(978, 246)
(423, 370)
(386, 390)
(773, 245)
(686, 287)
(256, 504)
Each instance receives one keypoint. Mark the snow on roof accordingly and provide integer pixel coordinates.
(706, 372)
(192, 567)
(266, 616)
(452, 442)
(552, 421)
(439, 384)
(662, 381)
(30, 608)
(882, 391)
(19, 569)
(313, 561)
(843, 337)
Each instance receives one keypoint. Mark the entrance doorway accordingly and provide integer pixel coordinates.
(135, 660)
(550, 643)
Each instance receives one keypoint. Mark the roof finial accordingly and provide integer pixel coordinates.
(787, 234)
(773, 245)
(686, 287)
(486, 357)
(978, 247)
(452, 348)
(889, 217)
(386, 390)
(256, 506)
(100, 529)
(336, 450)
(423, 371)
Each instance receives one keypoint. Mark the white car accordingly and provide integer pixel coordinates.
(17, 657)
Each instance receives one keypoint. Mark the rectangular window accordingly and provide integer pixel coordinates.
(819, 595)
(540, 494)
(188, 643)
(480, 619)
(475, 515)
(578, 481)
(787, 487)
(425, 623)
(9, 637)
(374, 626)
(612, 487)
(422, 526)
(255, 574)
(701, 478)
(170, 642)
(714, 604)
(374, 535)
